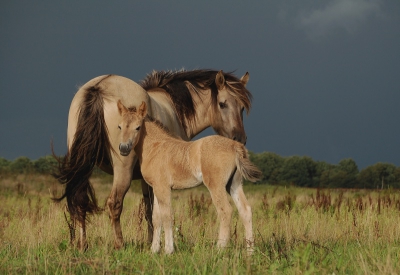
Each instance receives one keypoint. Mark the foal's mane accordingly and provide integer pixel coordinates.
(175, 84)
(161, 126)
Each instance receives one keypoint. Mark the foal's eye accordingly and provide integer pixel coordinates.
(222, 105)
(138, 128)
(119, 127)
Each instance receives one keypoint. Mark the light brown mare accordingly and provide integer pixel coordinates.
(168, 162)
(187, 102)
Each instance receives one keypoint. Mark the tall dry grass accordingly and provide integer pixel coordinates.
(296, 231)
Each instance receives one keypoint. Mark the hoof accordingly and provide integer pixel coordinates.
(155, 248)
(118, 245)
(169, 250)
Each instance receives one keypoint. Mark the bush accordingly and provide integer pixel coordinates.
(21, 165)
(4, 165)
(45, 165)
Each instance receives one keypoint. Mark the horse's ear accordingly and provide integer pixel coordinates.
(121, 107)
(245, 78)
(220, 80)
(143, 109)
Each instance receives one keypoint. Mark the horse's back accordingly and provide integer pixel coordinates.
(112, 88)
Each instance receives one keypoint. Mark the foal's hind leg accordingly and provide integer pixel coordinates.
(224, 210)
(244, 209)
(121, 183)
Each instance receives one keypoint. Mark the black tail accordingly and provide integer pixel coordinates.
(90, 147)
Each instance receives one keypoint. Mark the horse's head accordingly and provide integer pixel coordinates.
(131, 121)
(228, 106)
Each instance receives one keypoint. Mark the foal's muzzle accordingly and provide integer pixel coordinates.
(125, 148)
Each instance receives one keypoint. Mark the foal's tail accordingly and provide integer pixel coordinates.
(91, 146)
(245, 167)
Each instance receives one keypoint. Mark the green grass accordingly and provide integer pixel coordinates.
(297, 231)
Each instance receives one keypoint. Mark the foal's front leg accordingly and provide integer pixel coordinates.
(162, 216)
(157, 224)
(148, 197)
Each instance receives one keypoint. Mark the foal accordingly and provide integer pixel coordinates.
(219, 162)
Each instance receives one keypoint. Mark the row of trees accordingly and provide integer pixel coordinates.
(304, 171)
(294, 170)
(24, 165)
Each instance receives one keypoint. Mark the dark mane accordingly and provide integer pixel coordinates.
(176, 83)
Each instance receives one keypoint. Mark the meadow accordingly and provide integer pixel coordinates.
(297, 231)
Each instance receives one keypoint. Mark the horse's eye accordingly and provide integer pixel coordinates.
(138, 128)
(222, 105)
(119, 127)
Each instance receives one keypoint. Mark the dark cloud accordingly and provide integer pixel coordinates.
(324, 75)
(347, 15)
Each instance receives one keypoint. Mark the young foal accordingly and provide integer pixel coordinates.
(219, 162)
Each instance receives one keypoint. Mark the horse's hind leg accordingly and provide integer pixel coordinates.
(71, 226)
(83, 245)
(244, 209)
(148, 197)
(121, 184)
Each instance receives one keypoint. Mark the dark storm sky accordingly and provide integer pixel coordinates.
(325, 75)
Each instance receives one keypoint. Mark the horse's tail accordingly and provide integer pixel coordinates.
(91, 146)
(245, 167)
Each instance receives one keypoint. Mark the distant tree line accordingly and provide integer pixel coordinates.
(23, 165)
(305, 172)
(300, 171)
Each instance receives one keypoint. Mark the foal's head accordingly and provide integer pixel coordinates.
(131, 121)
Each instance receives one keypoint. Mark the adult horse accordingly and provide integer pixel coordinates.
(187, 102)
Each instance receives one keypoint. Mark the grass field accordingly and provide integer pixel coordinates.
(297, 231)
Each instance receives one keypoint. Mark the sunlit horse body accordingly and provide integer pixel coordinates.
(168, 162)
(187, 102)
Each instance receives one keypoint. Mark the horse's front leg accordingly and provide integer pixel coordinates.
(121, 184)
(148, 197)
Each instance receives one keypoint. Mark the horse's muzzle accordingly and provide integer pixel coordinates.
(125, 148)
(240, 138)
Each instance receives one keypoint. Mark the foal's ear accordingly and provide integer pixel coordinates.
(245, 79)
(220, 80)
(142, 109)
(121, 107)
